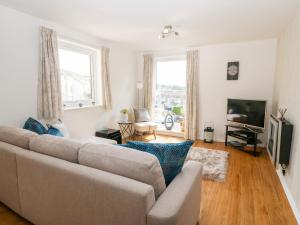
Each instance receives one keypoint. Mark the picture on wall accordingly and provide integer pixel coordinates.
(233, 70)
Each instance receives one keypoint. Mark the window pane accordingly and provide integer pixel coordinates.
(76, 76)
(171, 73)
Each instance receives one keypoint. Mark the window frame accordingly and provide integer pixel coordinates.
(156, 60)
(94, 55)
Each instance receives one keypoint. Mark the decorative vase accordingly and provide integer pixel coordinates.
(169, 122)
(124, 117)
(182, 126)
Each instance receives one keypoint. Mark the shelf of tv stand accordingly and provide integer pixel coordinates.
(245, 128)
(246, 134)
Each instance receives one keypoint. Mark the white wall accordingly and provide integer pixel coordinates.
(256, 77)
(19, 71)
(287, 94)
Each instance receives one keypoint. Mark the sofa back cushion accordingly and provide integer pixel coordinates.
(16, 136)
(141, 115)
(58, 147)
(132, 164)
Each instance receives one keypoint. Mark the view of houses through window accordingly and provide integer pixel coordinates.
(169, 107)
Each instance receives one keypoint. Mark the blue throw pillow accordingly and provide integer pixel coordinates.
(55, 132)
(170, 156)
(35, 126)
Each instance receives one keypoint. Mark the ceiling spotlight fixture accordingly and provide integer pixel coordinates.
(167, 32)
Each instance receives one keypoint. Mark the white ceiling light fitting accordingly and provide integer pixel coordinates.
(167, 32)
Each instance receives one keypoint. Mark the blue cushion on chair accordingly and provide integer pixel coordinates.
(35, 126)
(171, 156)
(55, 132)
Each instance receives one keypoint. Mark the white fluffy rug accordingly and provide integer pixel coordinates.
(214, 162)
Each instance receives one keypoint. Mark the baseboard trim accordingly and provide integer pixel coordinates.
(215, 140)
(289, 195)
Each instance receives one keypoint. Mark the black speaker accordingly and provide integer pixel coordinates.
(285, 144)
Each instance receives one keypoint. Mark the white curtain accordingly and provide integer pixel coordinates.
(192, 73)
(49, 87)
(148, 82)
(105, 75)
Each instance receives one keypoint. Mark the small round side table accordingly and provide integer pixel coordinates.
(126, 128)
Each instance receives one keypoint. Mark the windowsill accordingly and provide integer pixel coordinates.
(83, 107)
(170, 133)
(176, 130)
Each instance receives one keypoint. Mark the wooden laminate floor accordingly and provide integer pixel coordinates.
(251, 195)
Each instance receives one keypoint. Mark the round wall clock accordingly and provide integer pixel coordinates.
(233, 71)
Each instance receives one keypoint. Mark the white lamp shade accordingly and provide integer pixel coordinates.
(139, 85)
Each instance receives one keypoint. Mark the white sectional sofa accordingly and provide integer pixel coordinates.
(57, 181)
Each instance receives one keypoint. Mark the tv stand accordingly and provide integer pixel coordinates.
(247, 134)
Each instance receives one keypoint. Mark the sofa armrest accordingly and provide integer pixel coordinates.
(180, 203)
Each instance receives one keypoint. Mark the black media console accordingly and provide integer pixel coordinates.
(247, 136)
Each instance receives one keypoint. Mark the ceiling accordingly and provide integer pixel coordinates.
(138, 22)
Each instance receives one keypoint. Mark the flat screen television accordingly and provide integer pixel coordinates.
(246, 112)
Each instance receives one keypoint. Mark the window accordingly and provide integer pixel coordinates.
(79, 74)
(170, 94)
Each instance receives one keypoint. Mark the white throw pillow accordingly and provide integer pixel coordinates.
(141, 115)
(62, 128)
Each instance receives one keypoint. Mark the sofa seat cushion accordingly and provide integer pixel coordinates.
(145, 126)
(58, 147)
(98, 140)
(122, 161)
(171, 155)
(16, 136)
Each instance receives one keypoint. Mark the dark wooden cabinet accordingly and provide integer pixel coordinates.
(110, 134)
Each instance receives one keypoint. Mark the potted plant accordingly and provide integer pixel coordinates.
(124, 115)
(181, 122)
(179, 116)
(177, 110)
